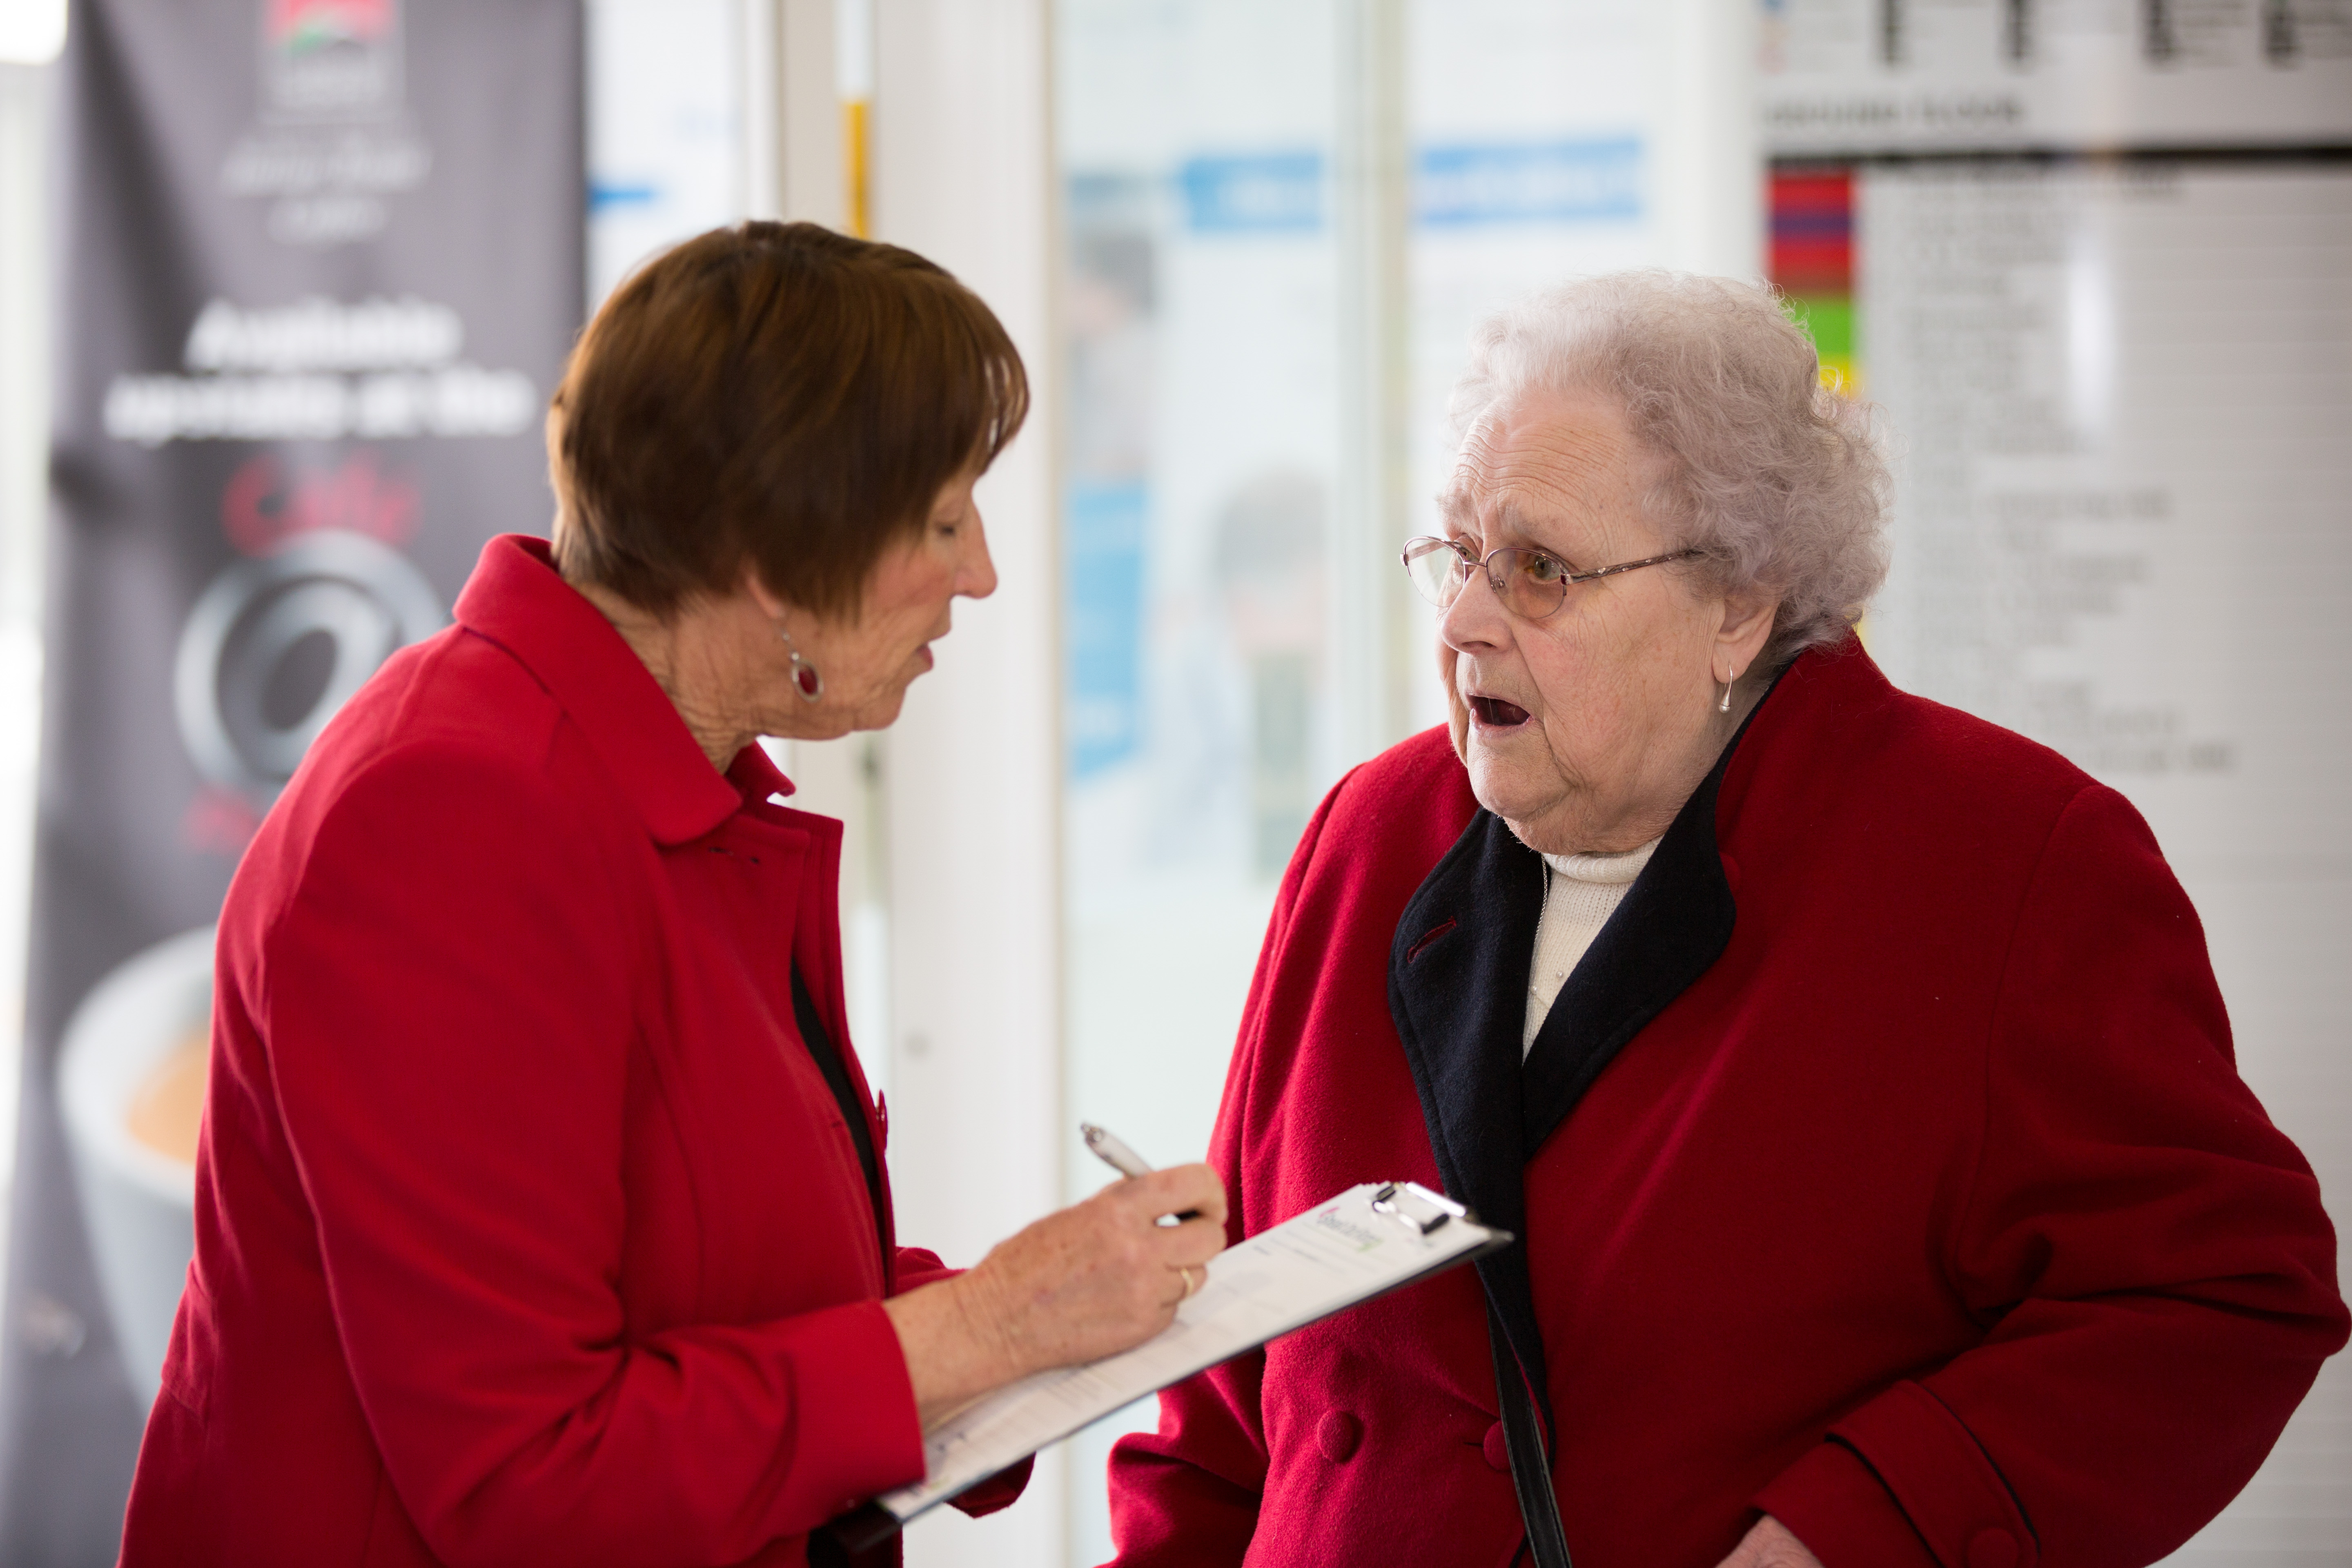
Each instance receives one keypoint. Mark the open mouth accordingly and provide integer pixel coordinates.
(1496, 712)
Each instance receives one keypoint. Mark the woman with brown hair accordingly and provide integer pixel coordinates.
(542, 1208)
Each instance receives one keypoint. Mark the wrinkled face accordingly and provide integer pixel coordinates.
(868, 662)
(1587, 730)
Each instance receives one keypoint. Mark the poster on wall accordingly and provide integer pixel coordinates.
(322, 263)
(1841, 75)
(2087, 256)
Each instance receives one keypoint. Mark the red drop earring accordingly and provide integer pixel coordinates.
(806, 678)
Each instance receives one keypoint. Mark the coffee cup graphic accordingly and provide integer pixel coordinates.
(130, 1074)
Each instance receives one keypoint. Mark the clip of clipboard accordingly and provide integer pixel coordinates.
(1415, 1206)
(1353, 1248)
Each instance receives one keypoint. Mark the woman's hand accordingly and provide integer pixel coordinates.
(1769, 1546)
(1077, 1285)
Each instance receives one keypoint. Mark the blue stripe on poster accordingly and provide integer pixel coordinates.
(1102, 587)
(1455, 185)
(605, 195)
(1258, 193)
(1546, 182)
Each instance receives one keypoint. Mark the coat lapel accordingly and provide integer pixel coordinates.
(1457, 991)
(1675, 921)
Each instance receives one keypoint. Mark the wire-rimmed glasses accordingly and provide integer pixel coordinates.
(1532, 584)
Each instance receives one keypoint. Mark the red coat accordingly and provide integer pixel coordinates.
(527, 1229)
(1894, 1108)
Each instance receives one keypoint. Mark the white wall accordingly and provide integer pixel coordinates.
(1710, 176)
(961, 164)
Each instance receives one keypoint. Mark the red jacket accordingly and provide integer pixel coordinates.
(527, 1229)
(1883, 1166)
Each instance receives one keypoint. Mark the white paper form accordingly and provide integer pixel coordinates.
(1305, 1269)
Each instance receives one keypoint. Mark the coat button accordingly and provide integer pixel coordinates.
(1338, 1435)
(1496, 1447)
(1992, 1548)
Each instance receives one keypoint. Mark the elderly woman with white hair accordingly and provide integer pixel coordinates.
(1852, 1071)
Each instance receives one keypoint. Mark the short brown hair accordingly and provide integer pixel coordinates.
(776, 393)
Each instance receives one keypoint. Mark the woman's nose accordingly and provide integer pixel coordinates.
(976, 572)
(1475, 618)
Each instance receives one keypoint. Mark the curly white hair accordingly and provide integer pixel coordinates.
(1778, 478)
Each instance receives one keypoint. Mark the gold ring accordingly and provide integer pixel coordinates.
(1190, 1284)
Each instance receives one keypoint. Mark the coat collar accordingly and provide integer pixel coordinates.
(1458, 969)
(516, 599)
(1457, 990)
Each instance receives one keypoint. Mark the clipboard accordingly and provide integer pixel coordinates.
(1360, 1244)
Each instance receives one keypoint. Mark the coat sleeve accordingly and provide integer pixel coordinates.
(916, 1268)
(447, 1004)
(2148, 1252)
(1189, 1494)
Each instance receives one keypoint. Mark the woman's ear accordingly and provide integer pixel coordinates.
(1746, 626)
(770, 603)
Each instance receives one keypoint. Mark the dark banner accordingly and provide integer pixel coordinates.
(320, 264)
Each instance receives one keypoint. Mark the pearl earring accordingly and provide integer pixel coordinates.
(806, 678)
(1725, 706)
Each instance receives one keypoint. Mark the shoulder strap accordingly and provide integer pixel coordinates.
(1523, 1438)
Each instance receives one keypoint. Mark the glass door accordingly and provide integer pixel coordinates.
(1281, 219)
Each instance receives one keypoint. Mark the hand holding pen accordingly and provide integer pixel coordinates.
(1112, 1151)
(1091, 1281)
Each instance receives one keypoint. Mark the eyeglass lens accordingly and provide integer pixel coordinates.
(1529, 583)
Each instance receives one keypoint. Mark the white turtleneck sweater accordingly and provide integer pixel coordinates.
(1581, 892)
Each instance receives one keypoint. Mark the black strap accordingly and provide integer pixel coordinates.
(825, 1550)
(836, 1076)
(1523, 1438)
